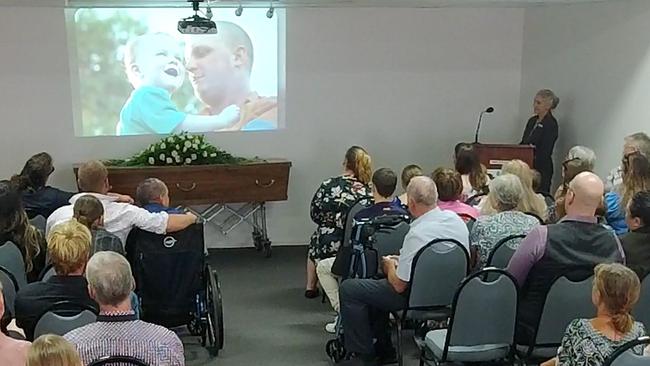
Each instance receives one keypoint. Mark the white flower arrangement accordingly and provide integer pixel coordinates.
(180, 149)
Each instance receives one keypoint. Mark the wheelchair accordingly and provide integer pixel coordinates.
(175, 284)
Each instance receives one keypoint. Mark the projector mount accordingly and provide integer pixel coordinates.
(197, 24)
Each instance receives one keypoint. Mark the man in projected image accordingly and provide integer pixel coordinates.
(220, 71)
(155, 69)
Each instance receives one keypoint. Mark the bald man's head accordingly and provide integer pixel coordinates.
(585, 195)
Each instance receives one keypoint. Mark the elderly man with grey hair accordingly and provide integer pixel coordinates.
(506, 191)
(366, 303)
(117, 330)
(153, 195)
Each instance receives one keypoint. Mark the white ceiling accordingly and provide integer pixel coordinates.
(298, 3)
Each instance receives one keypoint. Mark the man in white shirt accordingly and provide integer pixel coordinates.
(365, 303)
(119, 217)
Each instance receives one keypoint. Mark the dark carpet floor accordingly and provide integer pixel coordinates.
(268, 321)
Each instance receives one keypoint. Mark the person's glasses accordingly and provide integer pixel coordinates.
(566, 162)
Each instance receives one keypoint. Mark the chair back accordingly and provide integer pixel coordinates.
(468, 220)
(565, 301)
(389, 240)
(641, 310)
(541, 221)
(437, 270)
(12, 260)
(64, 316)
(490, 307)
(118, 360)
(9, 289)
(359, 205)
(39, 222)
(624, 356)
(48, 272)
(475, 199)
(500, 255)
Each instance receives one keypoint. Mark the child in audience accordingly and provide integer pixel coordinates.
(155, 69)
(408, 173)
(590, 341)
(89, 211)
(52, 350)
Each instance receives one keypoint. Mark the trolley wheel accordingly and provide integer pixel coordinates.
(258, 240)
(335, 350)
(215, 330)
(267, 248)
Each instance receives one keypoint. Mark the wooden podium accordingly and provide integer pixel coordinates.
(493, 156)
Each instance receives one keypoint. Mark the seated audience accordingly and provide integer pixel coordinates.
(53, 350)
(591, 341)
(572, 248)
(636, 178)
(365, 303)
(531, 203)
(505, 194)
(69, 249)
(119, 217)
(384, 182)
(636, 142)
(117, 330)
(579, 159)
(450, 189)
(153, 195)
(39, 198)
(13, 352)
(89, 211)
(329, 208)
(408, 173)
(636, 243)
(473, 173)
(15, 227)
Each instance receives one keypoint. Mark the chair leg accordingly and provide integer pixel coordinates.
(400, 356)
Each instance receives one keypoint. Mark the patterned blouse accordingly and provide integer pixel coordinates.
(582, 345)
(328, 210)
(488, 230)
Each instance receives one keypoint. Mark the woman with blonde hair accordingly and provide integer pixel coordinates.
(329, 208)
(52, 350)
(89, 211)
(531, 202)
(15, 227)
(409, 172)
(615, 291)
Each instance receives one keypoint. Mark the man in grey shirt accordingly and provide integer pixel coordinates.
(365, 303)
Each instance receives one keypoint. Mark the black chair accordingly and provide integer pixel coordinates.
(468, 220)
(12, 260)
(176, 285)
(388, 241)
(9, 290)
(475, 199)
(64, 316)
(641, 310)
(39, 222)
(489, 307)
(541, 221)
(437, 270)
(624, 356)
(500, 255)
(118, 360)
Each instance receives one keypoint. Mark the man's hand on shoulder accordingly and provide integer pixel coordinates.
(122, 198)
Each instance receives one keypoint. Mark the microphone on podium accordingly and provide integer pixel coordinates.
(480, 118)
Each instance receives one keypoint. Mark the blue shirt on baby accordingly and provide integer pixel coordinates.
(157, 207)
(149, 110)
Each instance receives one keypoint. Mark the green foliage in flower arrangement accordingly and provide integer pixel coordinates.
(180, 149)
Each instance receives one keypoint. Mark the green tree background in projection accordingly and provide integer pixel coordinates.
(104, 87)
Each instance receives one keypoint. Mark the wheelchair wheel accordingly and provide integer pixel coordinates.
(335, 350)
(215, 332)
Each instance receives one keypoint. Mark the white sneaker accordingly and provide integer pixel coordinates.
(331, 327)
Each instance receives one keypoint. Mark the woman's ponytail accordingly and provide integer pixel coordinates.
(359, 162)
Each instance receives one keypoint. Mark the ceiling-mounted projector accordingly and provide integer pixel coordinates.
(197, 24)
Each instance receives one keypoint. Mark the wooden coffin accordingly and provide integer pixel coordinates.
(207, 184)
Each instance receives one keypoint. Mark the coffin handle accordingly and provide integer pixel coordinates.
(264, 185)
(186, 189)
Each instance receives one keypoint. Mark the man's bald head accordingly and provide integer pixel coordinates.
(230, 35)
(587, 191)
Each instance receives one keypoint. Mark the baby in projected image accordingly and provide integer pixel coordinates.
(155, 69)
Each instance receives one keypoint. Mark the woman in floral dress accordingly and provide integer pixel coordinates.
(329, 208)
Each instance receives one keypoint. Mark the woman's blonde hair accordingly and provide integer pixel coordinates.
(358, 161)
(15, 226)
(52, 350)
(531, 202)
(618, 289)
(87, 210)
(68, 246)
(636, 175)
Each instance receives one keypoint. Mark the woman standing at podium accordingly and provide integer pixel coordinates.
(542, 131)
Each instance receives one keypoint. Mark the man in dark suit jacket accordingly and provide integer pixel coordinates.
(636, 243)
(69, 249)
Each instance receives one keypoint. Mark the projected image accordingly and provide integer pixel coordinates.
(136, 74)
